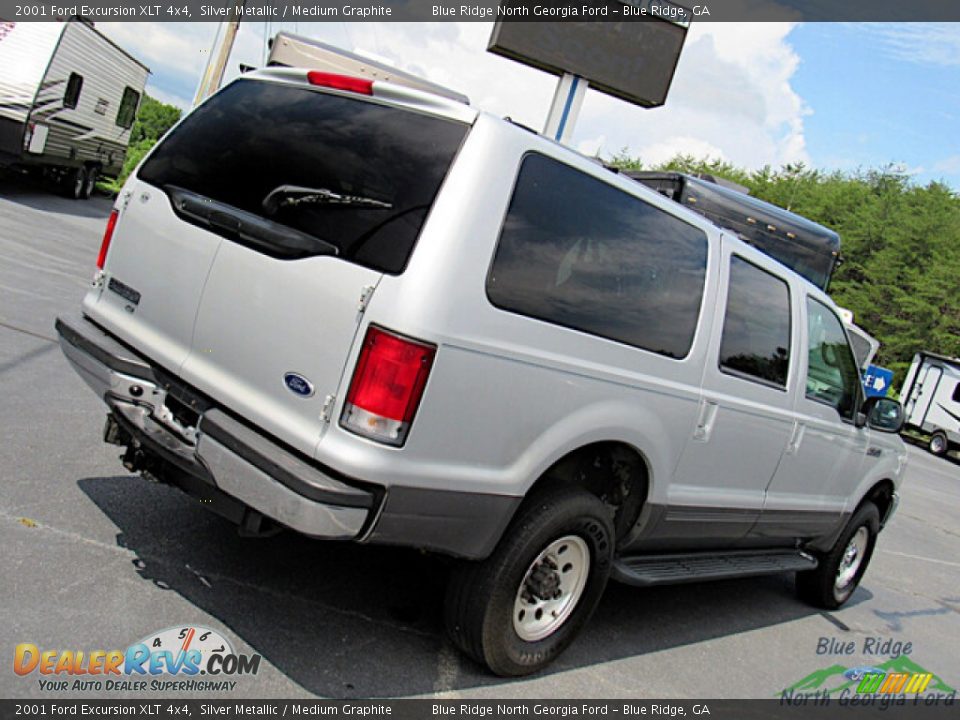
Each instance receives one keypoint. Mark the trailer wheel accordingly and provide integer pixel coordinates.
(938, 444)
(75, 183)
(92, 176)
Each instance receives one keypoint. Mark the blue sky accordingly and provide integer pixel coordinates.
(835, 96)
(881, 93)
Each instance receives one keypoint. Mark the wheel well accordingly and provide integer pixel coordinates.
(880, 495)
(613, 471)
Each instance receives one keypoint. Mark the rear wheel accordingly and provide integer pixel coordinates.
(520, 608)
(74, 183)
(91, 182)
(938, 444)
(840, 570)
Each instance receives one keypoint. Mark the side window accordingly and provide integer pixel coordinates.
(956, 393)
(127, 111)
(71, 95)
(756, 328)
(578, 252)
(832, 374)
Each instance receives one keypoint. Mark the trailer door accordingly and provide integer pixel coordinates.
(924, 392)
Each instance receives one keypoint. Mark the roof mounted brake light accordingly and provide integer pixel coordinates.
(340, 82)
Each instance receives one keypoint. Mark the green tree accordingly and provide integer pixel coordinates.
(153, 119)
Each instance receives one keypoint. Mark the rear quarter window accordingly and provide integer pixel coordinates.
(578, 252)
(385, 164)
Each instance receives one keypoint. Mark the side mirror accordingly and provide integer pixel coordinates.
(883, 414)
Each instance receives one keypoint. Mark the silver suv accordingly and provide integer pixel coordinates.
(368, 313)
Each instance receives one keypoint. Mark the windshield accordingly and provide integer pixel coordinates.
(355, 174)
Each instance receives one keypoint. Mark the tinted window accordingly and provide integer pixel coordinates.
(578, 252)
(255, 137)
(832, 374)
(756, 327)
(127, 112)
(956, 393)
(71, 95)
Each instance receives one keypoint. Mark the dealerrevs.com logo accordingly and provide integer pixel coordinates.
(183, 658)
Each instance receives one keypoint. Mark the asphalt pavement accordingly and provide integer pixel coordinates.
(94, 557)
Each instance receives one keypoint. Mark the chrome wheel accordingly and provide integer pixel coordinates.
(938, 444)
(852, 559)
(551, 588)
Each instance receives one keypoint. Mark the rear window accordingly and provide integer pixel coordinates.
(353, 174)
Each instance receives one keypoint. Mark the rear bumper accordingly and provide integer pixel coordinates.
(224, 460)
(221, 451)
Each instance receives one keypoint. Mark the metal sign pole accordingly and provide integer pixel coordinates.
(565, 108)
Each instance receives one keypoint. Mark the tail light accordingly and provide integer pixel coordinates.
(107, 237)
(387, 386)
(340, 82)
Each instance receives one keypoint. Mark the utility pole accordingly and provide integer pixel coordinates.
(216, 66)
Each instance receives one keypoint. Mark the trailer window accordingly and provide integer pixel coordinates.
(755, 344)
(71, 95)
(127, 112)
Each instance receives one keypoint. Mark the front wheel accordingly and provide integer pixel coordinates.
(520, 608)
(939, 444)
(840, 570)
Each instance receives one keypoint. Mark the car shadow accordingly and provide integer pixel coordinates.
(345, 620)
(43, 196)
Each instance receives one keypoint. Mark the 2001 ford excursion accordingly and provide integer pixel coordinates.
(368, 313)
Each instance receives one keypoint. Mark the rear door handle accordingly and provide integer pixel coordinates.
(705, 420)
(796, 437)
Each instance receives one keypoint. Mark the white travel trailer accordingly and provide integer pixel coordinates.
(931, 400)
(68, 98)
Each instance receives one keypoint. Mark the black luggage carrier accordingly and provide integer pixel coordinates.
(809, 249)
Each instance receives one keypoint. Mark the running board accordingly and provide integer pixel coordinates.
(644, 570)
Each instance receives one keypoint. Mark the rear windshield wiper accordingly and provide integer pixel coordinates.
(293, 195)
(247, 228)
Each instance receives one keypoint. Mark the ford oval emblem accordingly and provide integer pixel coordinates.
(298, 384)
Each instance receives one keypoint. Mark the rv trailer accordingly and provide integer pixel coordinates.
(931, 400)
(289, 50)
(68, 99)
(807, 248)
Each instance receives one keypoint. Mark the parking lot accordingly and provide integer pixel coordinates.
(96, 558)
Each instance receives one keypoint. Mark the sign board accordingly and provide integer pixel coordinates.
(632, 60)
(877, 380)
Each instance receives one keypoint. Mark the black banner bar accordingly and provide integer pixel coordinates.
(680, 11)
(893, 707)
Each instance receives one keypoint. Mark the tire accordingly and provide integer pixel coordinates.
(839, 574)
(574, 531)
(91, 182)
(74, 183)
(938, 445)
